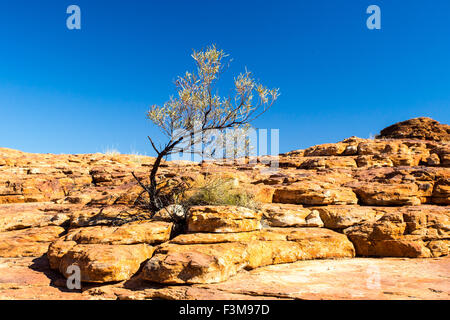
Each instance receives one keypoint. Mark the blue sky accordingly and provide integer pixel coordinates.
(84, 91)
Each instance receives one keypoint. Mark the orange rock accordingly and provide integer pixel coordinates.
(328, 162)
(150, 232)
(441, 192)
(202, 263)
(16, 217)
(341, 217)
(215, 261)
(388, 194)
(100, 263)
(222, 219)
(288, 215)
(33, 242)
(406, 232)
(418, 128)
(311, 193)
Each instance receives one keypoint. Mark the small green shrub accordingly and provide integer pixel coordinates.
(220, 191)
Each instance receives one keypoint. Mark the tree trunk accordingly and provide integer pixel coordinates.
(153, 188)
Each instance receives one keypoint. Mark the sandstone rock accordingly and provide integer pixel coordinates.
(444, 155)
(218, 258)
(286, 215)
(202, 263)
(374, 147)
(441, 192)
(388, 194)
(94, 216)
(299, 244)
(406, 232)
(33, 242)
(311, 193)
(341, 217)
(291, 162)
(150, 232)
(329, 149)
(433, 160)
(222, 219)
(105, 253)
(262, 193)
(57, 250)
(100, 263)
(16, 217)
(418, 128)
(374, 161)
(211, 238)
(394, 180)
(170, 213)
(328, 162)
(346, 279)
(31, 279)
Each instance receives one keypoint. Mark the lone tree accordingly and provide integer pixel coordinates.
(199, 108)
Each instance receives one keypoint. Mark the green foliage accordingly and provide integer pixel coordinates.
(220, 191)
(197, 102)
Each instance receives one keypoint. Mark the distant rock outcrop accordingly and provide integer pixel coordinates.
(418, 128)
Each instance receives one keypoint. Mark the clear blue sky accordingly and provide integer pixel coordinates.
(64, 91)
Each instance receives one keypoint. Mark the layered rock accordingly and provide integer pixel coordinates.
(222, 219)
(17, 217)
(406, 232)
(312, 193)
(340, 217)
(287, 215)
(418, 128)
(203, 258)
(32, 242)
(383, 197)
(106, 254)
(104, 263)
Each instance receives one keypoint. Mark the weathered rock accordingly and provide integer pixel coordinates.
(222, 219)
(211, 238)
(374, 161)
(32, 242)
(348, 147)
(218, 258)
(17, 216)
(100, 263)
(311, 193)
(202, 263)
(262, 193)
(287, 215)
(441, 192)
(408, 232)
(31, 279)
(94, 216)
(150, 232)
(105, 253)
(341, 217)
(418, 128)
(344, 279)
(171, 213)
(388, 194)
(328, 162)
(401, 185)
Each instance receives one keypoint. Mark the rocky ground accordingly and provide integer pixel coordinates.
(357, 219)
